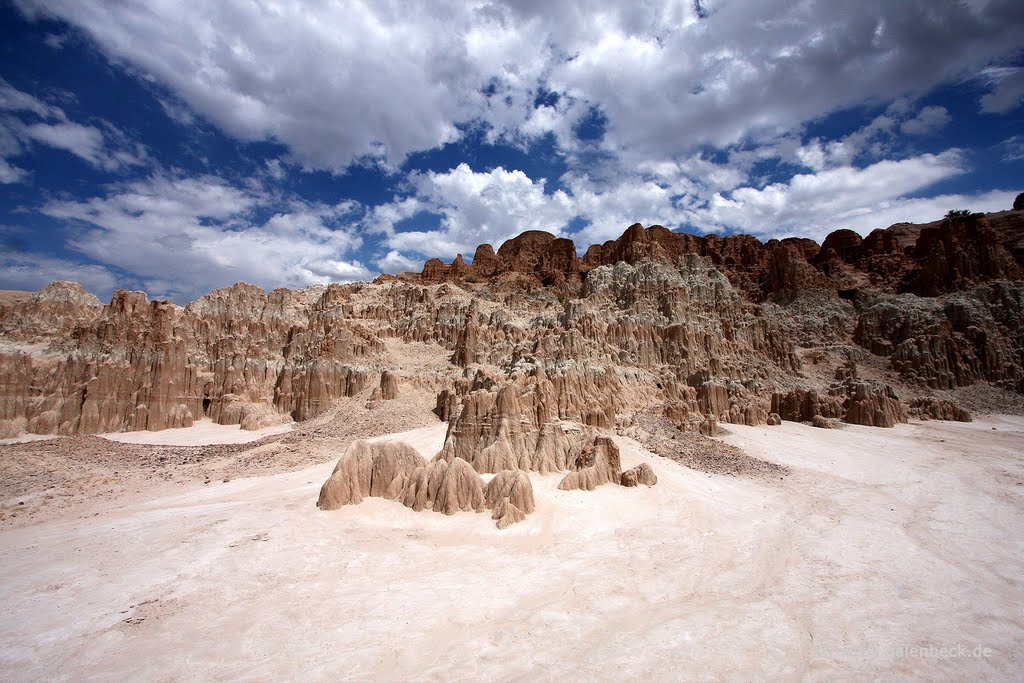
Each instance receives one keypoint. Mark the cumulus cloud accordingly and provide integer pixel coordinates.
(185, 236)
(478, 207)
(308, 76)
(668, 77)
(397, 262)
(685, 104)
(814, 204)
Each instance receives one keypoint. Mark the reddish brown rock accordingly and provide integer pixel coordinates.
(485, 263)
(930, 408)
(874, 405)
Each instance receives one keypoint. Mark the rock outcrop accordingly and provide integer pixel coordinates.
(705, 329)
(369, 469)
(856, 402)
(395, 471)
(511, 485)
(388, 385)
(874, 406)
(510, 496)
(641, 474)
(444, 486)
(931, 408)
(596, 465)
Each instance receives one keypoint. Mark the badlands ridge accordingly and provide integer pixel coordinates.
(697, 331)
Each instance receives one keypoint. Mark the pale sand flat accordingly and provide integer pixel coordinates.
(878, 540)
(204, 432)
(27, 438)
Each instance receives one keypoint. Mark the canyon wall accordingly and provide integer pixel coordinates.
(702, 330)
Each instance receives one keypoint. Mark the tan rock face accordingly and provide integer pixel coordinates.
(512, 486)
(595, 465)
(703, 329)
(395, 471)
(874, 406)
(444, 486)
(368, 469)
(930, 408)
(388, 385)
(802, 405)
(641, 474)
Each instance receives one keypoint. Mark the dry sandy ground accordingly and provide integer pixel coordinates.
(69, 478)
(204, 432)
(879, 541)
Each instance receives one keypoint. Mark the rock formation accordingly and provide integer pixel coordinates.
(395, 471)
(874, 406)
(596, 465)
(510, 495)
(507, 514)
(368, 469)
(388, 385)
(513, 486)
(641, 474)
(931, 408)
(444, 486)
(703, 330)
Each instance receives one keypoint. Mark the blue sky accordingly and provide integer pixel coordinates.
(177, 147)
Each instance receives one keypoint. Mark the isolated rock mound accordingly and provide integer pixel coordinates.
(596, 465)
(641, 474)
(395, 471)
(510, 495)
(513, 485)
(367, 469)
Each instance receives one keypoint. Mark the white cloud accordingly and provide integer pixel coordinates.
(55, 41)
(1013, 148)
(334, 82)
(479, 207)
(611, 209)
(813, 205)
(14, 100)
(10, 173)
(84, 142)
(397, 262)
(185, 236)
(339, 81)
